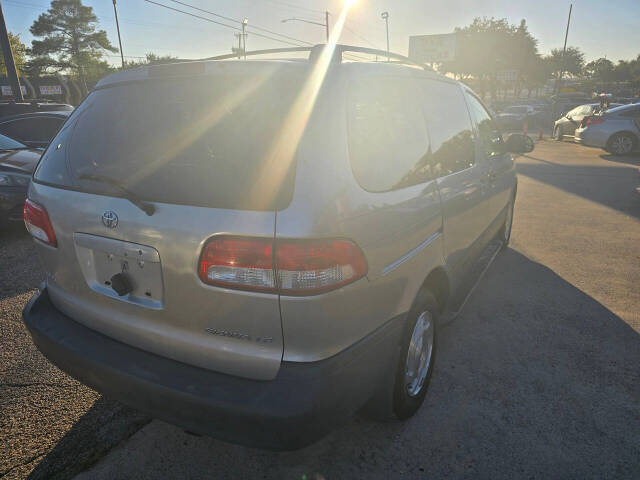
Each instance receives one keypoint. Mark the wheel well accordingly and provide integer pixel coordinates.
(631, 134)
(437, 282)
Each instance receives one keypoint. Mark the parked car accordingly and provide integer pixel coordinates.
(224, 257)
(33, 129)
(16, 108)
(566, 125)
(515, 116)
(617, 130)
(17, 162)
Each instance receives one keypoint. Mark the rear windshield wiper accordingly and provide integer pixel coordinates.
(146, 207)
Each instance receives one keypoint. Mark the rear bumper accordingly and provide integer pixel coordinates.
(300, 405)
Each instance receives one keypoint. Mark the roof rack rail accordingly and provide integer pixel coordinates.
(316, 50)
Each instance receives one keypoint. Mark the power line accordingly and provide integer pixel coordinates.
(360, 36)
(298, 7)
(239, 21)
(222, 24)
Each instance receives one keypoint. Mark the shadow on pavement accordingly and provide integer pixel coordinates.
(534, 380)
(103, 427)
(613, 187)
(633, 159)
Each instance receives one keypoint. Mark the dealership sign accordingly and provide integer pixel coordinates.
(7, 91)
(50, 89)
(432, 48)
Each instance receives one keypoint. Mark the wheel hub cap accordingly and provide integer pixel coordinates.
(622, 145)
(419, 355)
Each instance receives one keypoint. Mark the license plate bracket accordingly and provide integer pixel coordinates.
(101, 258)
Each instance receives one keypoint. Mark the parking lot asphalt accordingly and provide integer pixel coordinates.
(50, 425)
(537, 378)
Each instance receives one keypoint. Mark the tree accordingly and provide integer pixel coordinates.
(69, 39)
(572, 63)
(601, 71)
(488, 46)
(150, 59)
(19, 50)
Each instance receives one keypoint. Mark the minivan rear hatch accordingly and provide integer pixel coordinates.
(137, 181)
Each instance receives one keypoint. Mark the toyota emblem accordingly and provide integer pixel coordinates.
(110, 219)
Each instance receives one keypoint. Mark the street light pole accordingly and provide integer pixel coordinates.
(326, 22)
(115, 11)
(385, 16)
(12, 73)
(564, 51)
(244, 37)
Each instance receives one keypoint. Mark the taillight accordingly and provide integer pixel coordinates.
(591, 121)
(314, 266)
(238, 262)
(291, 267)
(37, 222)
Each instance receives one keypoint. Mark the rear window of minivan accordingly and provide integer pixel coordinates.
(202, 141)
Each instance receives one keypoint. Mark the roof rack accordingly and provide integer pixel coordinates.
(316, 50)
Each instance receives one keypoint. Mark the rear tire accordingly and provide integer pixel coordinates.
(622, 143)
(417, 357)
(395, 399)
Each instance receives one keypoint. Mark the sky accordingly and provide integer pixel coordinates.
(600, 28)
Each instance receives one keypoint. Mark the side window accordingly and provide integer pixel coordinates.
(449, 125)
(488, 132)
(388, 139)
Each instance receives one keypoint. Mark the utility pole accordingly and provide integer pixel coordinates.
(326, 23)
(564, 52)
(244, 37)
(239, 51)
(385, 17)
(12, 73)
(115, 11)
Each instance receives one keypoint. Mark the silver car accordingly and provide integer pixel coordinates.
(255, 250)
(566, 125)
(617, 130)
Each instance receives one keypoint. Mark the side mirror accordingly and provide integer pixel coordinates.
(519, 143)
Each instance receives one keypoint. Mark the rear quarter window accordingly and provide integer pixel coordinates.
(388, 139)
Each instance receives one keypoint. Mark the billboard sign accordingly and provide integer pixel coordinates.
(50, 89)
(432, 48)
(7, 91)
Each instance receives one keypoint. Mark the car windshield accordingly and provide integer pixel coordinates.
(8, 143)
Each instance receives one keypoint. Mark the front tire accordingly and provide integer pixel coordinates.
(621, 143)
